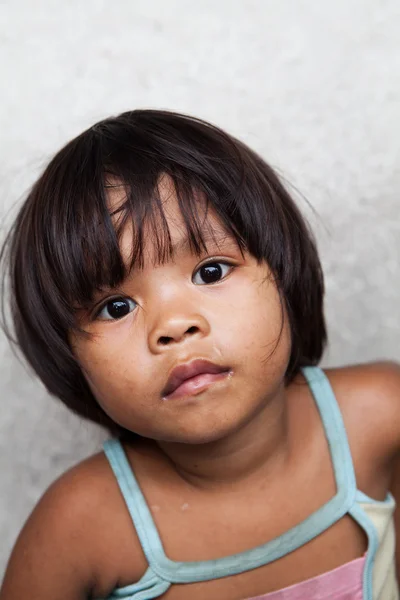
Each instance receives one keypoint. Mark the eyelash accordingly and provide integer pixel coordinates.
(213, 262)
(208, 263)
(103, 305)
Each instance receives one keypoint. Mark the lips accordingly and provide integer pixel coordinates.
(192, 378)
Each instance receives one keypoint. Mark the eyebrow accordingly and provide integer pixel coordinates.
(216, 239)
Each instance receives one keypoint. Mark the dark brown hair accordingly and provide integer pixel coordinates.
(64, 246)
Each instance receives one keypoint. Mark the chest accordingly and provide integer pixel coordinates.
(342, 543)
(193, 530)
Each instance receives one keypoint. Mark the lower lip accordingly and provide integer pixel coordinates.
(196, 385)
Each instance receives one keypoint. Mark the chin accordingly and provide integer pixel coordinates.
(202, 438)
(196, 435)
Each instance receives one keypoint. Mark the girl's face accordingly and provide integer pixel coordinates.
(217, 315)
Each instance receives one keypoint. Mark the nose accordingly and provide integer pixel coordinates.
(176, 329)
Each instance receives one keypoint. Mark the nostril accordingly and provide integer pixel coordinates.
(165, 340)
(193, 329)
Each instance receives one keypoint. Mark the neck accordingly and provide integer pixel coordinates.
(257, 449)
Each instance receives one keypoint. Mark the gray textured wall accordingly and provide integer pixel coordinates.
(313, 86)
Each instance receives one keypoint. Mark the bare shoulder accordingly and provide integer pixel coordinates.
(369, 394)
(369, 399)
(78, 536)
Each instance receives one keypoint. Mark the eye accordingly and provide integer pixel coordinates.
(115, 309)
(211, 273)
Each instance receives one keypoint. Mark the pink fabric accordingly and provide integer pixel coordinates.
(343, 583)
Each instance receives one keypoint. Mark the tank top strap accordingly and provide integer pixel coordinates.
(334, 428)
(137, 506)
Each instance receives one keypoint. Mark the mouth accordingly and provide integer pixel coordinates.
(192, 378)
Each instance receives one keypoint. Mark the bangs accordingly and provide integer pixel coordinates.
(73, 232)
(87, 257)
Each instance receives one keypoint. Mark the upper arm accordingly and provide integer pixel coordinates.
(51, 559)
(394, 432)
(388, 417)
(395, 490)
(385, 383)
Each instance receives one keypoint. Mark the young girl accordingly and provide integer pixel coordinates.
(164, 285)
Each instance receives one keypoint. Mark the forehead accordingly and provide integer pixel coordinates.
(165, 220)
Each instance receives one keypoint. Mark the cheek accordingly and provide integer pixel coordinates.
(119, 386)
(109, 363)
(256, 313)
(122, 378)
(267, 345)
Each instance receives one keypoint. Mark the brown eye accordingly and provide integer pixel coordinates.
(211, 273)
(115, 309)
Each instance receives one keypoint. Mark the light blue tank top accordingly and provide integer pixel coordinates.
(163, 572)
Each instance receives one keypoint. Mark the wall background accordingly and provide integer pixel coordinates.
(313, 86)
